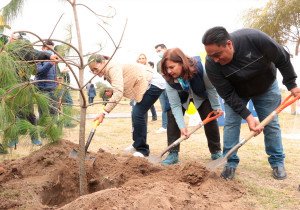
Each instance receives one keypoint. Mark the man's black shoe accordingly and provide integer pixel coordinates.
(228, 172)
(279, 173)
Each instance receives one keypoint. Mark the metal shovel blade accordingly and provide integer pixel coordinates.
(153, 159)
(74, 154)
(213, 165)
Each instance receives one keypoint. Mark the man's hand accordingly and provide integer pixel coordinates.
(253, 125)
(54, 57)
(295, 92)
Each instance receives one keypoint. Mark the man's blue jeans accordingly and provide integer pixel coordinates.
(139, 122)
(165, 106)
(264, 104)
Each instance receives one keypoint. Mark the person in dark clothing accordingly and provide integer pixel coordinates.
(91, 93)
(47, 71)
(142, 59)
(22, 50)
(186, 82)
(242, 66)
(64, 73)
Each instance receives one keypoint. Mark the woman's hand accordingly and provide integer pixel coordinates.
(184, 132)
(100, 117)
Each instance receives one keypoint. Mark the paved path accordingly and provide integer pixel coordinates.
(118, 115)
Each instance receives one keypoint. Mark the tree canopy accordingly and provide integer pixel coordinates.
(280, 19)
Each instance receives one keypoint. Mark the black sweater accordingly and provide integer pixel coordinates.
(252, 69)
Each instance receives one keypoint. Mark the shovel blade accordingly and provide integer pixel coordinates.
(154, 159)
(73, 154)
(213, 165)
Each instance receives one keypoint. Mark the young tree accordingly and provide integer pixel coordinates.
(75, 64)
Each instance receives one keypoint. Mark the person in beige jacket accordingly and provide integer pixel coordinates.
(134, 81)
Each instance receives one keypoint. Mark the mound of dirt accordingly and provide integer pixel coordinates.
(48, 178)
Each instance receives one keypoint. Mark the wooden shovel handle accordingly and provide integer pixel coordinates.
(286, 102)
(208, 119)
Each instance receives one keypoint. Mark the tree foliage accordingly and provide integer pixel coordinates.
(12, 10)
(18, 96)
(278, 18)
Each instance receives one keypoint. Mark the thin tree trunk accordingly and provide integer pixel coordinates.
(82, 171)
(297, 47)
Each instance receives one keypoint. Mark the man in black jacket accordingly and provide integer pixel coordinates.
(242, 66)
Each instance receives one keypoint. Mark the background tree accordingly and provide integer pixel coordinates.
(278, 18)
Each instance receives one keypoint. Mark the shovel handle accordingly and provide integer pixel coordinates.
(96, 124)
(286, 102)
(208, 119)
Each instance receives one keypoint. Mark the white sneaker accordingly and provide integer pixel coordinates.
(130, 149)
(161, 130)
(138, 154)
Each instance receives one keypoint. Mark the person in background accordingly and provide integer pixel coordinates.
(142, 59)
(22, 50)
(187, 81)
(65, 74)
(133, 81)
(47, 71)
(150, 63)
(163, 98)
(242, 66)
(91, 93)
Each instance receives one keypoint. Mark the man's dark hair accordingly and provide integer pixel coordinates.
(216, 35)
(49, 42)
(160, 45)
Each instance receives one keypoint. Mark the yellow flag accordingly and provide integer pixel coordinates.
(191, 109)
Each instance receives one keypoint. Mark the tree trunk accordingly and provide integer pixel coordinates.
(297, 47)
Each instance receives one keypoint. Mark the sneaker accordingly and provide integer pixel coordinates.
(13, 143)
(172, 158)
(279, 173)
(216, 155)
(130, 149)
(36, 142)
(228, 172)
(161, 130)
(138, 154)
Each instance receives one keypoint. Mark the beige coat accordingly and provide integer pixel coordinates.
(128, 80)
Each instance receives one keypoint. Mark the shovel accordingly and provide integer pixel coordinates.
(208, 119)
(74, 152)
(221, 161)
